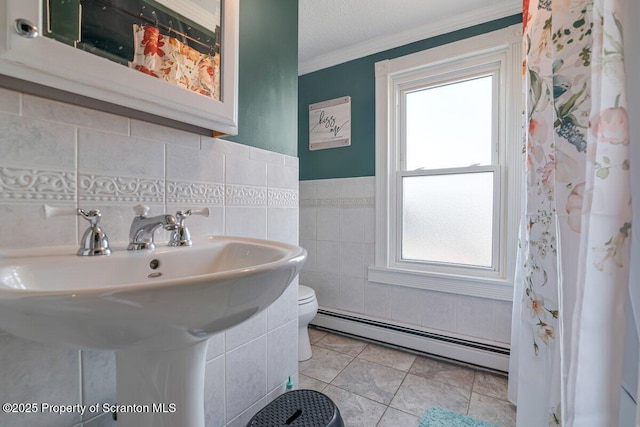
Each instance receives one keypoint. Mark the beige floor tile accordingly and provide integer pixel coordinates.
(342, 344)
(370, 380)
(394, 418)
(386, 356)
(356, 411)
(448, 373)
(498, 412)
(316, 335)
(325, 364)
(492, 385)
(309, 383)
(416, 394)
(364, 375)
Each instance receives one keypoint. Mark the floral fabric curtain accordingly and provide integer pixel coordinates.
(572, 278)
(169, 59)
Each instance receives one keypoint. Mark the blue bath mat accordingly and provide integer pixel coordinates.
(440, 417)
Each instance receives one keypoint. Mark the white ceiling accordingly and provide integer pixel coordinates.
(336, 31)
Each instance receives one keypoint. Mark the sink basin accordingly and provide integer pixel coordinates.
(154, 308)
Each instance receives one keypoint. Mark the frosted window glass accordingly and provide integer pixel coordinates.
(450, 126)
(448, 218)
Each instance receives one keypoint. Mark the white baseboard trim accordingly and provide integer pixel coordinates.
(480, 354)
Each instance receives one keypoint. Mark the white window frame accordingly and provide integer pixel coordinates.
(496, 52)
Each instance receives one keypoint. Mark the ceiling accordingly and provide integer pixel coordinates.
(336, 31)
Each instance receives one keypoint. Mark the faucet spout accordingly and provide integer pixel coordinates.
(143, 227)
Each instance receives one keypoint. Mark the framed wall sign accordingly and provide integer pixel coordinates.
(330, 124)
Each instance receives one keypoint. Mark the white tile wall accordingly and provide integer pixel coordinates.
(216, 346)
(33, 142)
(279, 313)
(105, 420)
(246, 376)
(503, 312)
(405, 304)
(45, 109)
(327, 257)
(157, 132)
(439, 310)
(33, 372)
(246, 331)
(337, 227)
(242, 419)
(98, 378)
(351, 294)
(281, 362)
(62, 154)
(376, 300)
(328, 224)
(214, 393)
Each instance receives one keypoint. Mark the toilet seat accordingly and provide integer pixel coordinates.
(305, 294)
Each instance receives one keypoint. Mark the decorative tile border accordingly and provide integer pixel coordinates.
(29, 185)
(360, 202)
(342, 203)
(240, 195)
(328, 203)
(308, 203)
(195, 193)
(120, 189)
(283, 198)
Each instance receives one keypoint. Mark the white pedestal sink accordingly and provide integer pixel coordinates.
(154, 309)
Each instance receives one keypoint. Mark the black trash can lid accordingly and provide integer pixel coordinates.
(298, 408)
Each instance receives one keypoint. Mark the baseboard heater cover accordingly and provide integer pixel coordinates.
(463, 350)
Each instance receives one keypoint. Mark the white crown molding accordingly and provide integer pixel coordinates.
(468, 19)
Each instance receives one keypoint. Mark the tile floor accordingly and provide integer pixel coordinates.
(376, 386)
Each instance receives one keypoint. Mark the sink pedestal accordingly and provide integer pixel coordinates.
(161, 388)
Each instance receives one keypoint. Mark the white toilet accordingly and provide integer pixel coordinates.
(307, 309)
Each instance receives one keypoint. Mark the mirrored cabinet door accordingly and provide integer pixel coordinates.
(176, 59)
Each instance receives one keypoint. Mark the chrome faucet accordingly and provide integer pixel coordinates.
(181, 236)
(94, 240)
(143, 228)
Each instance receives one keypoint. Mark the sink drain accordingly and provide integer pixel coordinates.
(155, 263)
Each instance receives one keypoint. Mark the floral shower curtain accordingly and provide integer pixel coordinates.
(572, 277)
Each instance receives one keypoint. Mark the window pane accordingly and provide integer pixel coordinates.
(448, 218)
(450, 126)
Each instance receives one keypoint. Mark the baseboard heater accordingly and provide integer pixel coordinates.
(463, 350)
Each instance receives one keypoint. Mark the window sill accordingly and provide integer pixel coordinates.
(497, 289)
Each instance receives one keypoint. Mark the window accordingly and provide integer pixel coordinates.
(446, 204)
(448, 139)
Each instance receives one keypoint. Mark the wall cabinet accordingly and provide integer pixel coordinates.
(70, 66)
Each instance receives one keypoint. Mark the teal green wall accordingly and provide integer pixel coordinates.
(268, 76)
(357, 79)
